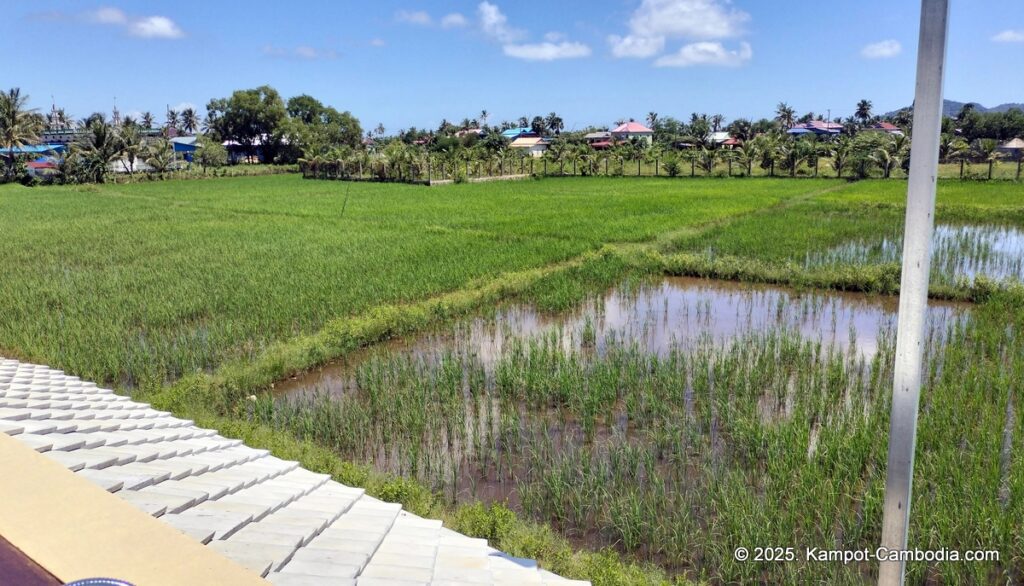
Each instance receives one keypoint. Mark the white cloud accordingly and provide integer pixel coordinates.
(377, 43)
(547, 51)
(1009, 36)
(495, 24)
(183, 106)
(692, 19)
(454, 20)
(417, 17)
(707, 53)
(656, 21)
(155, 27)
(304, 52)
(109, 15)
(882, 50)
(634, 46)
(146, 27)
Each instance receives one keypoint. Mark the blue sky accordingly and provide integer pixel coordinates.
(407, 63)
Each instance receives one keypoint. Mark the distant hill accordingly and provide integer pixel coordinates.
(951, 108)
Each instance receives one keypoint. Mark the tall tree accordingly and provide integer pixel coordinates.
(252, 117)
(147, 120)
(100, 146)
(18, 125)
(863, 111)
(172, 118)
(189, 120)
(784, 114)
(554, 123)
(652, 120)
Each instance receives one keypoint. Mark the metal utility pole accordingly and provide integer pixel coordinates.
(917, 237)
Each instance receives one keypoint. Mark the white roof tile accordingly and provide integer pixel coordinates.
(293, 526)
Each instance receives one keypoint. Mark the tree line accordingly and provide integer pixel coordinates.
(258, 122)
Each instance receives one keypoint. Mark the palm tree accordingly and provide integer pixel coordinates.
(554, 123)
(99, 147)
(189, 120)
(380, 129)
(652, 120)
(841, 150)
(706, 159)
(538, 124)
(160, 156)
(863, 111)
(784, 114)
(716, 122)
(131, 146)
(483, 117)
(18, 125)
(886, 155)
(172, 118)
(147, 120)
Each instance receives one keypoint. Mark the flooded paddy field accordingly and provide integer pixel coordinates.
(672, 420)
(959, 252)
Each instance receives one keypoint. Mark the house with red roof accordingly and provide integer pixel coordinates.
(632, 129)
(886, 127)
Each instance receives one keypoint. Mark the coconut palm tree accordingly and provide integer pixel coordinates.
(380, 129)
(18, 125)
(707, 158)
(652, 120)
(99, 147)
(147, 120)
(189, 120)
(784, 114)
(863, 111)
(131, 146)
(886, 156)
(841, 150)
(172, 118)
(716, 122)
(483, 117)
(160, 156)
(951, 147)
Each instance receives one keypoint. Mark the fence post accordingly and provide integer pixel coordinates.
(656, 162)
(693, 167)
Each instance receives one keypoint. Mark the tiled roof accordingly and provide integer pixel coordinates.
(283, 522)
(631, 128)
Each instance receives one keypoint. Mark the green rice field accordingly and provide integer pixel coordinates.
(624, 378)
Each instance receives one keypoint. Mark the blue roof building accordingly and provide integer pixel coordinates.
(514, 133)
(34, 149)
